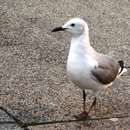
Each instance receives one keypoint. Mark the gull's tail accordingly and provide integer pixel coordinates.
(122, 69)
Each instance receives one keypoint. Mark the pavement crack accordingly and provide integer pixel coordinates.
(17, 121)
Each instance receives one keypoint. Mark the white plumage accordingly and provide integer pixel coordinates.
(87, 68)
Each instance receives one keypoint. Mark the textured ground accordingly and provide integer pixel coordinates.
(33, 81)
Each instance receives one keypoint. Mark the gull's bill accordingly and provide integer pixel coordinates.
(58, 29)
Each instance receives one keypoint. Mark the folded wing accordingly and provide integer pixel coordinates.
(106, 71)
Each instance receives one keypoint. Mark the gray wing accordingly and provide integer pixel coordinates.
(106, 71)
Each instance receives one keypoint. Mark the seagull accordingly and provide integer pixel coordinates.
(87, 68)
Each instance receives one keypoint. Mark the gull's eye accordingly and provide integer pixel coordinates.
(72, 24)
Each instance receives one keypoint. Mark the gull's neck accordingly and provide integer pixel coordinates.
(81, 44)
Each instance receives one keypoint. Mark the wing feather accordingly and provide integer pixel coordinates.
(106, 71)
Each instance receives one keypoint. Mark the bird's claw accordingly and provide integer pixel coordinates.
(82, 116)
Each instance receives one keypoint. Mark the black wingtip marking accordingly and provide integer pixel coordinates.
(121, 63)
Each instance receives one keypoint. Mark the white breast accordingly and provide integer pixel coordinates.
(79, 66)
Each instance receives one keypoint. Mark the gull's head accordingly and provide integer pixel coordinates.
(75, 26)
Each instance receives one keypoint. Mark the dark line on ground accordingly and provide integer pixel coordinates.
(27, 124)
(7, 122)
(17, 121)
(71, 121)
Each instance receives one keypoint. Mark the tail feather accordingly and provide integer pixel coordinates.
(122, 68)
